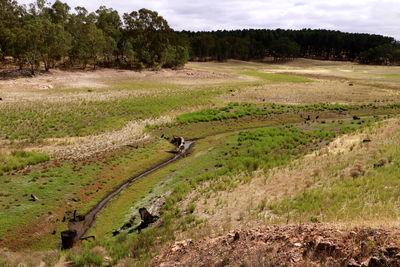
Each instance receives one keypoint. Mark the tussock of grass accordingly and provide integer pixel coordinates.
(86, 258)
(274, 77)
(19, 159)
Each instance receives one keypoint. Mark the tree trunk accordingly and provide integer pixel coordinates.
(94, 63)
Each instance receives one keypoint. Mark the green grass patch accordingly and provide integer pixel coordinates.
(238, 110)
(86, 258)
(56, 185)
(392, 75)
(19, 159)
(274, 77)
(45, 120)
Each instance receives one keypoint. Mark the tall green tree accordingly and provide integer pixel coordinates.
(94, 43)
(55, 44)
(31, 39)
(11, 19)
(149, 34)
(59, 13)
(109, 21)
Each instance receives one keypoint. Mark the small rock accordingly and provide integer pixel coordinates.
(180, 245)
(297, 245)
(353, 263)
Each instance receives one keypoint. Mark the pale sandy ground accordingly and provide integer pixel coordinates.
(318, 91)
(62, 86)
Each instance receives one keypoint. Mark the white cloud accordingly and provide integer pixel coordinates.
(368, 16)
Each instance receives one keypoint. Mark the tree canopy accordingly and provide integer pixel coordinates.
(46, 35)
(43, 35)
(286, 44)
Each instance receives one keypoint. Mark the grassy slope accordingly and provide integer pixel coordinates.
(370, 197)
(216, 161)
(88, 181)
(112, 116)
(44, 120)
(55, 185)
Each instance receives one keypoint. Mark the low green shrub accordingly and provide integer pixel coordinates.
(19, 159)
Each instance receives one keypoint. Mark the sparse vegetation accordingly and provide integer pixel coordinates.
(237, 110)
(245, 146)
(45, 120)
(18, 159)
(358, 196)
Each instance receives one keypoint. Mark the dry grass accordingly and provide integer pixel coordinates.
(247, 203)
(82, 147)
(319, 91)
(47, 258)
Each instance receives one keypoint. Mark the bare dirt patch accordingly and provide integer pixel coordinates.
(58, 86)
(293, 245)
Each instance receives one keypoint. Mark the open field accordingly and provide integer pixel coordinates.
(300, 142)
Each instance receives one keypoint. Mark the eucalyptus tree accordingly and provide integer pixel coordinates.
(148, 33)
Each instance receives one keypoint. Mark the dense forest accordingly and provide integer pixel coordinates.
(287, 44)
(48, 35)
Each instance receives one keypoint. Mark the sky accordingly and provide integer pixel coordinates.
(363, 16)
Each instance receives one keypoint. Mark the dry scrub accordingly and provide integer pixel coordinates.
(245, 205)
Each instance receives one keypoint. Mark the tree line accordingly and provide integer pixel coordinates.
(287, 44)
(48, 35)
(42, 34)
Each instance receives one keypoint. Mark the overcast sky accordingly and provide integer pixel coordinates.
(366, 16)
